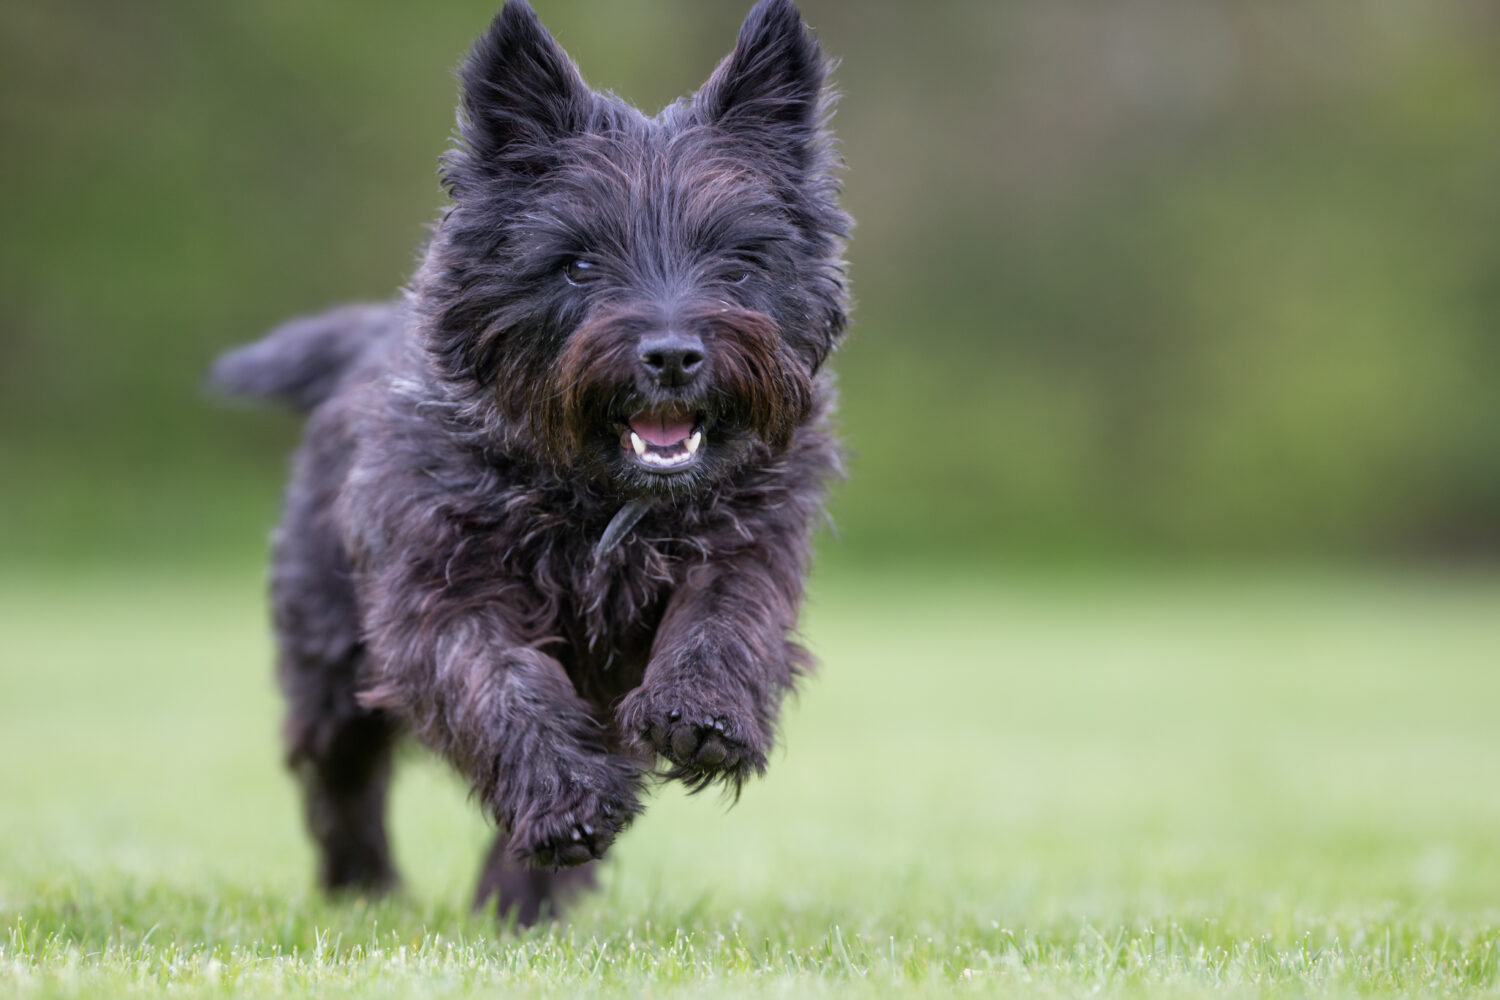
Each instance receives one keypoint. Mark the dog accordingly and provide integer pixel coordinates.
(553, 509)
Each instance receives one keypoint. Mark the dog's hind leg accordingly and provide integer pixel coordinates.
(530, 893)
(339, 749)
(341, 754)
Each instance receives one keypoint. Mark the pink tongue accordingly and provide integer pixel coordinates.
(662, 429)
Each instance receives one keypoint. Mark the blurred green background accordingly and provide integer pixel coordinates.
(1146, 279)
(1208, 286)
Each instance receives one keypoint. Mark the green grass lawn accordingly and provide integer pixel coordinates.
(1155, 788)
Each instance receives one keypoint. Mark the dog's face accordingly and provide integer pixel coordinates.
(644, 301)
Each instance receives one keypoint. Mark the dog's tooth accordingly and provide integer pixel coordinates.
(637, 443)
(694, 441)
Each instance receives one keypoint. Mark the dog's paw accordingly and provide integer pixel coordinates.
(572, 827)
(703, 743)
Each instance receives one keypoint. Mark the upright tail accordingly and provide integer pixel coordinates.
(303, 360)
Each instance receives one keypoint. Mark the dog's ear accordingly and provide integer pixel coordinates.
(770, 89)
(521, 93)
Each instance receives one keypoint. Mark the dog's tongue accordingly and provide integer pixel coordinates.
(663, 428)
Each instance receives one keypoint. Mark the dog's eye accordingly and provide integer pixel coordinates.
(739, 277)
(578, 271)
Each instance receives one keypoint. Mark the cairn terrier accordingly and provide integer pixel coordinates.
(552, 512)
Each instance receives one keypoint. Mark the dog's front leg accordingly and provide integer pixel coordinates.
(508, 716)
(721, 663)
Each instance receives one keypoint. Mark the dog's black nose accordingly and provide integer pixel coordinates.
(672, 358)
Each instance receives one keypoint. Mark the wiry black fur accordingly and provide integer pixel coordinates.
(435, 569)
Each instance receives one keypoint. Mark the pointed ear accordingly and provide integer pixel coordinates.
(521, 93)
(770, 88)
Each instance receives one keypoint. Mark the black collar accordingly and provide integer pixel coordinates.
(619, 526)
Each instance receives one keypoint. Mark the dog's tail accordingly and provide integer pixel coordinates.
(302, 361)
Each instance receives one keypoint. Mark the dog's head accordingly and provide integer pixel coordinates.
(646, 301)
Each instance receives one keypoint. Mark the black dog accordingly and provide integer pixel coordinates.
(552, 512)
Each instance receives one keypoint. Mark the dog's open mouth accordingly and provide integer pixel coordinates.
(663, 438)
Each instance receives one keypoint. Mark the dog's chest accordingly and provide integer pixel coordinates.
(607, 630)
(597, 612)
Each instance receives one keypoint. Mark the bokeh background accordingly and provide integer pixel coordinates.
(1136, 280)
(1160, 629)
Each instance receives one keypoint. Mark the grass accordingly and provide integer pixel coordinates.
(1140, 788)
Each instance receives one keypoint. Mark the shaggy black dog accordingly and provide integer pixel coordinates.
(553, 508)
